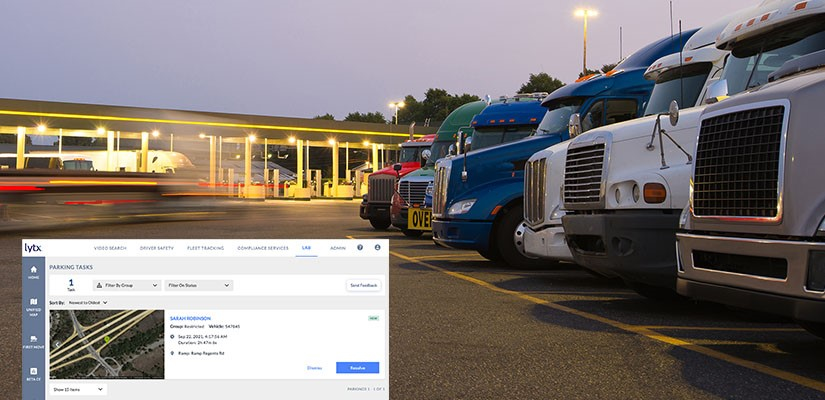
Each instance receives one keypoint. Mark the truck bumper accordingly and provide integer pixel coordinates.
(399, 219)
(467, 235)
(372, 210)
(762, 275)
(635, 246)
(546, 242)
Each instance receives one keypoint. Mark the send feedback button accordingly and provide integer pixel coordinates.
(356, 367)
(363, 285)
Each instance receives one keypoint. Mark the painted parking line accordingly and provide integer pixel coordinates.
(452, 257)
(637, 329)
(721, 329)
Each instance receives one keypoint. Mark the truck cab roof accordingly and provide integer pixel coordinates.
(459, 118)
(424, 141)
(633, 66)
(508, 113)
(769, 16)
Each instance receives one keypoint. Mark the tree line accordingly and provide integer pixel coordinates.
(437, 104)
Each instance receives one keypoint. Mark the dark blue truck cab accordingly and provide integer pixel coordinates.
(477, 198)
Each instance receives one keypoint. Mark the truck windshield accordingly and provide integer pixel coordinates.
(439, 150)
(78, 165)
(40, 162)
(410, 154)
(558, 115)
(681, 84)
(750, 64)
(493, 135)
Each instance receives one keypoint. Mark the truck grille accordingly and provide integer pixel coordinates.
(768, 267)
(381, 188)
(535, 188)
(440, 190)
(583, 176)
(737, 164)
(412, 192)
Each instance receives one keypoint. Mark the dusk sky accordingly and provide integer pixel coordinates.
(302, 58)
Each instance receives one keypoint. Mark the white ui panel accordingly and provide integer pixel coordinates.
(205, 319)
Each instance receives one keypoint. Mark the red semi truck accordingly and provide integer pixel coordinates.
(376, 204)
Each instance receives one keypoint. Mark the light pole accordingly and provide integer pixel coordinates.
(584, 12)
(397, 105)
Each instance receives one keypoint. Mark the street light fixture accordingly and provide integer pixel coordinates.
(397, 105)
(585, 12)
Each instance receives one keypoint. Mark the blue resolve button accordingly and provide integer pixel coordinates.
(356, 367)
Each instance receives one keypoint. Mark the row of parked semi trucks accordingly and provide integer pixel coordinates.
(719, 201)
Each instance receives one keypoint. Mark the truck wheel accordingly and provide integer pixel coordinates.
(380, 223)
(816, 328)
(504, 244)
(490, 254)
(655, 292)
(412, 232)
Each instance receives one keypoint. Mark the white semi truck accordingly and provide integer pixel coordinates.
(754, 233)
(625, 185)
(682, 77)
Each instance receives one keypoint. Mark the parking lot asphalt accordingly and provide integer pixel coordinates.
(462, 327)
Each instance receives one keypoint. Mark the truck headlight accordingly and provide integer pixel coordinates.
(461, 207)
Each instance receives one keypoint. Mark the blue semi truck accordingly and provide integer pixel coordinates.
(478, 196)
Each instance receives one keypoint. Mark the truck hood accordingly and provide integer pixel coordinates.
(421, 172)
(508, 153)
(406, 168)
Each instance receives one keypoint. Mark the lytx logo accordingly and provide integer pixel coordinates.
(31, 247)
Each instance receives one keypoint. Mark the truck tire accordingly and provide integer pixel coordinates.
(490, 254)
(504, 245)
(412, 232)
(380, 223)
(815, 328)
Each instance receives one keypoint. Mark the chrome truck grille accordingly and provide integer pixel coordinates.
(535, 190)
(738, 163)
(440, 190)
(381, 188)
(583, 171)
(412, 192)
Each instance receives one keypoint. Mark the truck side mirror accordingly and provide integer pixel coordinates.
(396, 167)
(673, 112)
(468, 144)
(717, 91)
(574, 126)
(425, 155)
(452, 150)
